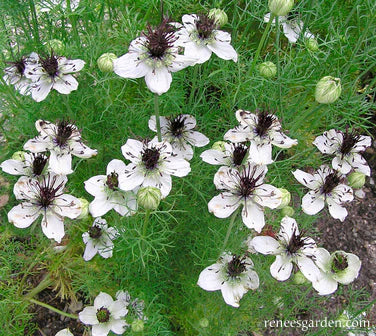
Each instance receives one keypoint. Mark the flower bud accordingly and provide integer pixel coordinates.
(137, 326)
(287, 211)
(105, 62)
(204, 322)
(356, 180)
(56, 46)
(219, 16)
(328, 90)
(219, 145)
(149, 197)
(268, 69)
(299, 278)
(286, 198)
(312, 44)
(19, 156)
(280, 7)
(84, 208)
(343, 320)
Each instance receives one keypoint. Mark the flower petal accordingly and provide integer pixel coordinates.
(130, 66)
(210, 278)
(23, 215)
(103, 300)
(118, 326)
(88, 316)
(221, 46)
(101, 329)
(232, 293)
(90, 250)
(41, 89)
(306, 179)
(266, 245)
(14, 167)
(253, 216)
(223, 205)
(281, 268)
(312, 203)
(197, 139)
(67, 206)
(96, 185)
(158, 80)
(336, 210)
(100, 206)
(53, 226)
(65, 84)
(60, 163)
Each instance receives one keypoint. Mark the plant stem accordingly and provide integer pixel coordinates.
(261, 44)
(35, 24)
(232, 222)
(278, 66)
(146, 223)
(46, 282)
(45, 305)
(156, 112)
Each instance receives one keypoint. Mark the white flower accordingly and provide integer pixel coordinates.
(346, 148)
(62, 140)
(292, 28)
(44, 197)
(231, 274)
(15, 73)
(179, 133)
(48, 5)
(99, 239)
(152, 165)
(53, 72)
(64, 332)
(339, 267)
(31, 165)
(200, 37)
(326, 187)
(232, 155)
(245, 187)
(108, 193)
(262, 130)
(153, 56)
(105, 315)
(289, 247)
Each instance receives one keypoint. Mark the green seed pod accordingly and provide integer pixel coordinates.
(312, 44)
(137, 326)
(268, 69)
(105, 62)
(219, 16)
(328, 90)
(287, 211)
(280, 7)
(85, 208)
(19, 156)
(56, 46)
(299, 278)
(286, 198)
(219, 145)
(149, 198)
(356, 180)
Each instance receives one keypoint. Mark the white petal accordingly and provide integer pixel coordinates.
(88, 316)
(95, 185)
(221, 46)
(60, 163)
(118, 309)
(325, 284)
(182, 151)
(23, 215)
(132, 150)
(14, 167)
(265, 245)
(40, 90)
(162, 181)
(238, 134)
(53, 226)
(328, 142)
(210, 279)
(232, 293)
(116, 166)
(70, 66)
(312, 203)
(100, 206)
(291, 31)
(260, 153)
(65, 84)
(176, 166)
(341, 165)
(82, 151)
(268, 195)
(90, 250)
(306, 179)
(308, 268)
(180, 62)
(101, 329)
(281, 140)
(38, 144)
(197, 139)
(253, 216)
(118, 326)
(153, 125)
(281, 268)
(193, 50)
(106, 251)
(336, 211)
(103, 300)
(129, 66)
(288, 228)
(364, 142)
(64, 332)
(322, 259)
(349, 274)
(214, 157)
(67, 206)
(360, 165)
(253, 281)
(223, 205)
(132, 178)
(158, 80)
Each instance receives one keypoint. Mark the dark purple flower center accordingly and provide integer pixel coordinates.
(265, 120)
(160, 39)
(236, 266)
(95, 232)
(239, 153)
(39, 163)
(296, 242)
(339, 262)
(176, 126)
(112, 181)
(47, 192)
(150, 157)
(247, 181)
(331, 181)
(20, 65)
(103, 315)
(205, 26)
(64, 131)
(349, 141)
(50, 64)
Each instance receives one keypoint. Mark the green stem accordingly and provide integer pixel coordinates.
(194, 81)
(146, 223)
(74, 23)
(66, 103)
(45, 305)
(305, 116)
(46, 282)
(232, 222)
(278, 66)
(35, 24)
(156, 112)
(261, 44)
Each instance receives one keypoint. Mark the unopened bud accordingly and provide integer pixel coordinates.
(56, 46)
(328, 90)
(105, 62)
(280, 7)
(219, 16)
(204, 322)
(149, 197)
(299, 278)
(356, 180)
(268, 69)
(286, 198)
(312, 44)
(19, 156)
(84, 208)
(287, 211)
(137, 326)
(219, 145)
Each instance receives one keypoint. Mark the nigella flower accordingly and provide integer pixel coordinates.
(290, 247)
(225, 154)
(152, 165)
(346, 147)
(178, 131)
(135, 306)
(106, 315)
(53, 72)
(153, 56)
(62, 140)
(99, 239)
(44, 197)
(326, 187)
(109, 193)
(245, 187)
(262, 130)
(26, 164)
(200, 37)
(338, 267)
(232, 274)
(292, 27)
(15, 73)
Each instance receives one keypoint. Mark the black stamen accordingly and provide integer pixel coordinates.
(296, 242)
(39, 163)
(339, 262)
(331, 181)
(247, 181)
(236, 266)
(239, 154)
(47, 192)
(50, 64)
(160, 39)
(205, 26)
(95, 232)
(64, 131)
(265, 120)
(20, 65)
(150, 157)
(112, 180)
(176, 126)
(103, 315)
(349, 140)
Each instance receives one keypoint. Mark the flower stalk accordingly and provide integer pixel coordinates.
(45, 305)
(46, 282)
(156, 112)
(231, 225)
